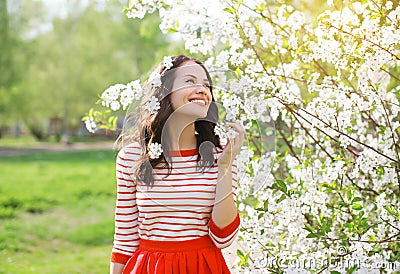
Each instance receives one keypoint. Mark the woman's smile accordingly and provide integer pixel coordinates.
(198, 101)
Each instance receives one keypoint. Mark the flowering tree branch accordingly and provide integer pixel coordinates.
(332, 92)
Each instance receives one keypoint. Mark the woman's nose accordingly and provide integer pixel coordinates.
(200, 88)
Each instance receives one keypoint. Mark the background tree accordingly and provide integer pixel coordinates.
(7, 74)
(56, 73)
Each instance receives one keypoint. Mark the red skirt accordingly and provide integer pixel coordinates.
(196, 256)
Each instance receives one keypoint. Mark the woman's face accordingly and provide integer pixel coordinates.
(191, 93)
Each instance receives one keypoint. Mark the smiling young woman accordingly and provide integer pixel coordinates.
(176, 183)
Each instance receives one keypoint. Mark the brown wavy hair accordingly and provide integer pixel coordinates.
(145, 128)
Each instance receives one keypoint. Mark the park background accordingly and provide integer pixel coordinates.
(57, 182)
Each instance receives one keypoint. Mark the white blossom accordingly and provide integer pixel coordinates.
(90, 125)
(167, 62)
(155, 79)
(110, 95)
(135, 88)
(115, 105)
(133, 91)
(155, 150)
(153, 105)
(224, 131)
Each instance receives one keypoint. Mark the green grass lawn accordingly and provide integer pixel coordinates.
(21, 142)
(56, 212)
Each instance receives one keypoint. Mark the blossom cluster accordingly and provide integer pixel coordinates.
(122, 96)
(224, 131)
(153, 105)
(332, 89)
(119, 95)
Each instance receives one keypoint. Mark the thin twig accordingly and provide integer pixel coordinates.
(367, 40)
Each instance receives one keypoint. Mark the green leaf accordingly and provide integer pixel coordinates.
(230, 10)
(357, 199)
(97, 113)
(171, 30)
(104, 127)
(282, 185)
(357, 207)
(266, 205)
(243, 258)
(380, 170)
(283, 197)
(348, 225)
(252, 201)
(237, 71)
(349, 194)
(314, 235)
(111, 119)
(308, 228)
(392, 211)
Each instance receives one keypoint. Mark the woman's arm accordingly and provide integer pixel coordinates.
(126, 236)
(224, 210)
(225, 221)
(116, 268)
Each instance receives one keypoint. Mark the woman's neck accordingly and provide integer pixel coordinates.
(181, 135)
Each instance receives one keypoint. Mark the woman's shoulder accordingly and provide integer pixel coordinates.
(131, 151)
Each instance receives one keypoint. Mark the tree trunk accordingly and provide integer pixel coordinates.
(36, 130)
(6, 75)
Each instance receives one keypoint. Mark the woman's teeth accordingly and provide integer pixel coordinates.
(199, 102)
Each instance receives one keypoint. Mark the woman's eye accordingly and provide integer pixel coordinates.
(207, 85)
(190, 81)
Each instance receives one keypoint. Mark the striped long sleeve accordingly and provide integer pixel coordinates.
(225, 236)
(126, 236)
(177, 207)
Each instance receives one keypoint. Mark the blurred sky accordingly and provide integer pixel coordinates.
(61, 7)
(57, 8)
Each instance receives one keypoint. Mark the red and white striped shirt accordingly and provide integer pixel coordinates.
(176, 208)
